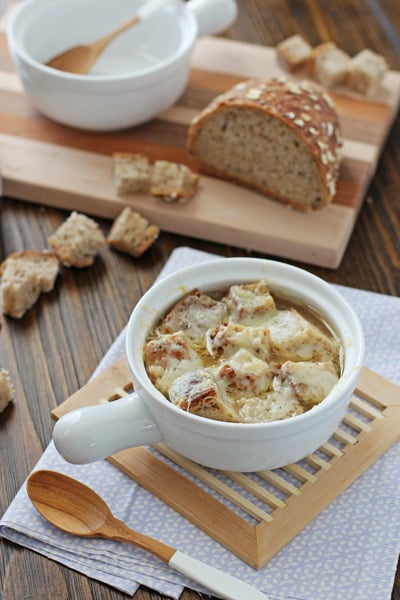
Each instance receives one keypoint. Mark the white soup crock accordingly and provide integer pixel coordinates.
(146, 416)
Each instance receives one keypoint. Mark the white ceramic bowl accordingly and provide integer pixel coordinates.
(88, 434)
(142, 73)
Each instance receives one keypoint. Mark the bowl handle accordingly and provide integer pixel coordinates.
(213, 16)
(88, 434)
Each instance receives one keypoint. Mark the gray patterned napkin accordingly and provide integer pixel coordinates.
(349, 551)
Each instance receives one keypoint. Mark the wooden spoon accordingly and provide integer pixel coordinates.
(80, 59)
(77, 509)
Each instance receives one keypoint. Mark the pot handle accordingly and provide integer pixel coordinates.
(213, 16)
(88, 434)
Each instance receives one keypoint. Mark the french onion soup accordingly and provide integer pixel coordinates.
(245, 354)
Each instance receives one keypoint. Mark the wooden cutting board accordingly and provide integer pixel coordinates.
(47, 163)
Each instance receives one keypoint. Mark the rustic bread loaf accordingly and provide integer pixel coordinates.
(279, 137)
(24, 276)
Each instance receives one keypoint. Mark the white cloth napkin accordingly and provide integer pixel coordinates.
(349, 551)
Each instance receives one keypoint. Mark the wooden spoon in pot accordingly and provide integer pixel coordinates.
(80, 59)
(77, 509)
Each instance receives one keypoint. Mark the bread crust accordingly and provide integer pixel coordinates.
(307, 112)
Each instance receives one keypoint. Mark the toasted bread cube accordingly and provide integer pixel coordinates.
(226, 339)
(250, 303)
(194, 314)
(365, 72)
(329, 65)
(294, 338)
(6, 389)
(173, 182)
(24, 276)
(294, 52)
(197, 392)
(168, 357)
(132, 233)
(244, 375)
(308, 382)
(77, 241)
(131, 173)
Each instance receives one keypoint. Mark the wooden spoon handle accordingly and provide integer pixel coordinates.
(143, 12)
(114, 529)
(101, 43)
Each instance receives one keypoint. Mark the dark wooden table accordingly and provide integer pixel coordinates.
(53, 350)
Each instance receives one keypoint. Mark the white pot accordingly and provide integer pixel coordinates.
(142, 73)
(145, 417)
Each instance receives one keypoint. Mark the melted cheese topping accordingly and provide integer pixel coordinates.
(241, 358)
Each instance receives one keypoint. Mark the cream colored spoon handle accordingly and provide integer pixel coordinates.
(220, 583)
(224, 585)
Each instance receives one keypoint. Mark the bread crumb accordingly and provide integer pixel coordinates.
(6, 389)
(77, 241)
(24, 276)
(294, 52)
(131, 173)
(329, 65)
(173, 181)
(365, 72)
(132, 233)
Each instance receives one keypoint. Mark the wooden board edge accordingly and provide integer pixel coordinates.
(81, 180)
(318, 495)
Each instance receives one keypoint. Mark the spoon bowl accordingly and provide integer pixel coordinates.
(75, 508)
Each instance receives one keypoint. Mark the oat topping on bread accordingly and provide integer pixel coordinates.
(279, 137)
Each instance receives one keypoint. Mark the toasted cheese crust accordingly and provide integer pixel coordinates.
(238, 371)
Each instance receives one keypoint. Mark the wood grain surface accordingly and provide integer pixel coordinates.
(54, 349)
(43, 161)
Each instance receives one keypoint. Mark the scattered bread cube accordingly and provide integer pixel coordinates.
(329, 65)
(131, 173)
(24, 276)
(365, 72)
(132, 233)
(77, 241)
(173, 181)
(6, 389)
(294, 52)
